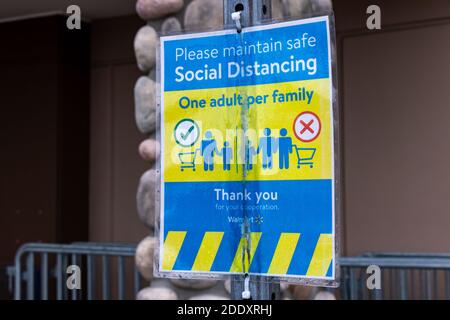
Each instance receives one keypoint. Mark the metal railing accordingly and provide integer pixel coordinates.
(416, 276)
(44, 276)
(403, 275)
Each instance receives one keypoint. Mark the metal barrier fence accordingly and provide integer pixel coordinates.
(403, 276)
(44, 282)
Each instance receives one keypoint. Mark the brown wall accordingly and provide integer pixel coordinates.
(44, 129)
(115, 163)
(395, 93)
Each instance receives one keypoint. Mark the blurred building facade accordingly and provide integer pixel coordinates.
(77, 168)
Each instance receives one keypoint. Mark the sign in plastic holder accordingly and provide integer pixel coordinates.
(248, 172)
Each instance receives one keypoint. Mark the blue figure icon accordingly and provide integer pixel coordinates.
(227, 155)
(249, 154)
(208, 148)
(285, 149)
(268, 146)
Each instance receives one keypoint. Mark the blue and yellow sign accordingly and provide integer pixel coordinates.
(247, 161)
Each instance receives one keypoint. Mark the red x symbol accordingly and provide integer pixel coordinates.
(307, 126)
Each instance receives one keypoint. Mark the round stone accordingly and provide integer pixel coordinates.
(145, 44)
(157, 293)
(300, 8)
(321, 6)
(154, 9)
(144, 257)
(284, 286)
(302, 292)
(171, 25)
(203, 15)
(208, 297)
(324, 295)
(277, 10)
(145, 104)
(145, 198)
(296, 8)
(149, 150)
(227, 286)
(193, 284)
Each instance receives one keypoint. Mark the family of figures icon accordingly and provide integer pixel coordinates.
(209, 149)
(268, 146)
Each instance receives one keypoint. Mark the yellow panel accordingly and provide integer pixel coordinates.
(237, 262)
(224, 124)
(207, 252)
(283, 253)
(172, 246)
(322, 256)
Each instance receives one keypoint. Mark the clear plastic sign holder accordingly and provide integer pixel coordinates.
(239, 14)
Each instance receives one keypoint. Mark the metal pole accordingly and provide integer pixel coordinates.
(253, 12)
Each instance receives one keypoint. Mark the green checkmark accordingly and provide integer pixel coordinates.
(185, 135)
(186, 132)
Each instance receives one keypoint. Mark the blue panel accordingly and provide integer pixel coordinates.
(302, 207)
(280, 43)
